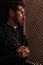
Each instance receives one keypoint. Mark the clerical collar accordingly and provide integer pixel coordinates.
(12, 26)
(15, 27)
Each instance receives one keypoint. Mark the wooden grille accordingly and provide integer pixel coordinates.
(34, 30)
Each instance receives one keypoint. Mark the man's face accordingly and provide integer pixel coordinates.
(20, 15)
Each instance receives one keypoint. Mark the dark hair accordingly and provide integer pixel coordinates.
(14, 5)
(11, 5)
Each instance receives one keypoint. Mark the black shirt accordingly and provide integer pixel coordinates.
(8, 42)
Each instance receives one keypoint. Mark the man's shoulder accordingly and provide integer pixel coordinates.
(1, 28)
(2, 33)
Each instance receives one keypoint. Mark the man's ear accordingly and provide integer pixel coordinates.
(11, 12)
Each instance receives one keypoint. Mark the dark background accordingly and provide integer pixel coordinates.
(33, 29)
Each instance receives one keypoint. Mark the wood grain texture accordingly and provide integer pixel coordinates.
(34, 30)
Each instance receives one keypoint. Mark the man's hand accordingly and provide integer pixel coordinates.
(23, 51)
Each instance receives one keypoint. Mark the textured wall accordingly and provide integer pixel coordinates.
(34, 30)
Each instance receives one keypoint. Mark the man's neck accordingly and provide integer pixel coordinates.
(11, 22)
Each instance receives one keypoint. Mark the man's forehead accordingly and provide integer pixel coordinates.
(21, 8)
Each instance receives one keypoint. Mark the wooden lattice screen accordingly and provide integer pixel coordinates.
(34, 30)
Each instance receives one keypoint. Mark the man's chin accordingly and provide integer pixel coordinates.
(22, 21)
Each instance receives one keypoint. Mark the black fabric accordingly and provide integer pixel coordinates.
(8, 45)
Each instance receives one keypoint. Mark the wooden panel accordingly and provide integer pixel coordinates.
(34, 30)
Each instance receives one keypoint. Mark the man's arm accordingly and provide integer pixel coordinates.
(23, 50)
(24, 40)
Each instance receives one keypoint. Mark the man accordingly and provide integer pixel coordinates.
(13, 44)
